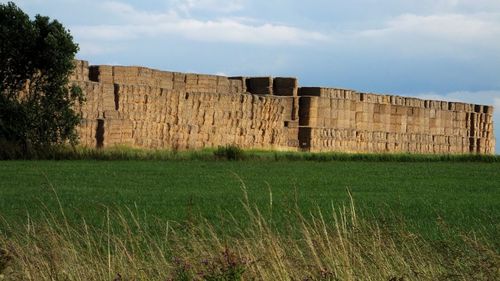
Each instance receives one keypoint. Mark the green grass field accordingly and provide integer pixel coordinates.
(267, 218)
(461, 196)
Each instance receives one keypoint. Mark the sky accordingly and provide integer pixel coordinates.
(435, 49)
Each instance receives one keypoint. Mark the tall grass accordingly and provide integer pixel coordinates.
(229, 152)
(336, 244)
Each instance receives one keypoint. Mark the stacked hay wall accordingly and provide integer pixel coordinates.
(345, 120)
(142, 107)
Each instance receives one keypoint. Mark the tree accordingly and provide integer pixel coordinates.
(36, 100)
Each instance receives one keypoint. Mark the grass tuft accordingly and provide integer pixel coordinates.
(229, 152)
(337, 244)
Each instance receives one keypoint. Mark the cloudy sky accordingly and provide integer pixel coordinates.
(440, 49)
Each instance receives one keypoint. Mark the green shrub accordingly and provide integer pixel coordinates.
(229, 152)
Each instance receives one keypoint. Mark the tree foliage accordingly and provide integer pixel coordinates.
(36, 100)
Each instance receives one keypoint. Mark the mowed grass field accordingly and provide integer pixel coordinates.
(463, 197)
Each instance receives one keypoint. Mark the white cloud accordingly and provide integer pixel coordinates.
(222, 30)
(130, 15)
(449, 34)
(497, 102)
(467, 5)
(138, 24)
(477, 97)
(89, 49)
(439, 6)
(224, 6)
(454, 27)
